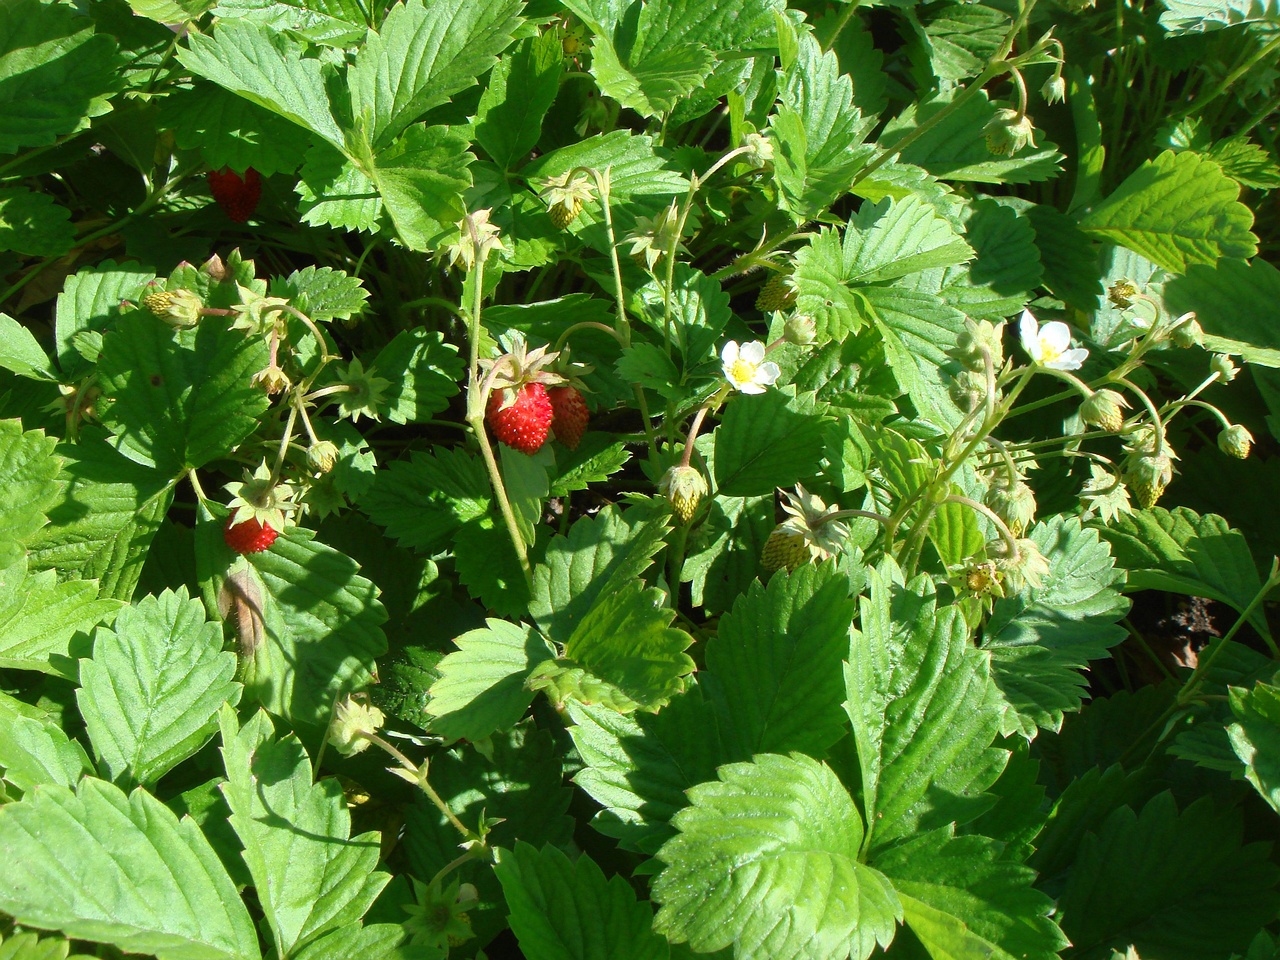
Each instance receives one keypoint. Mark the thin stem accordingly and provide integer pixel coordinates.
(420, 779)
(1151, 409)
(587, 325)
(195, 485)
(284, 443)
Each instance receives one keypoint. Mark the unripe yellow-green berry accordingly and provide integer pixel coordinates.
(352, 719)
(1007, 132)
(968, 390)
(683, 487)
(1104, 409)
(979, 339)
(1014, 503)
(1235, 441)
(1188, 333)
(1222, 367)
(783, 549)
(178, 308)
(322, 456)
(563, 214)
(800, 330)
(778, 293)
(1147, 476)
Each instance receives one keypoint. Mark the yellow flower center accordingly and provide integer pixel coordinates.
(1048, 352)
(742, 371)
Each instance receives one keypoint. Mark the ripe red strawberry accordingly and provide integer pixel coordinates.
(248, 536)
(570, 415)
(523, 423)
(238, 196)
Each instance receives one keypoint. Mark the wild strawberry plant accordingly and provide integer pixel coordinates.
(593, 479)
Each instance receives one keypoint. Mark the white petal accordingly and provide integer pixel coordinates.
(1070, 360)
(729, 355)
(752, 352)
(1055, 337)
(767, 373)
(1029, 333)
(750, 387)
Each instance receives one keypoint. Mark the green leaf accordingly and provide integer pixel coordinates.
(564, 909)
(600, 556)
(39, 617)
(171, 11)
(107, 511)
(55, 73)
(1255, 738)
(91, 300)
(1069, 257)
(1230, 300)
(652, 84)
(35, 750)
(963, 39)
(230, 131)
(768, 440)
(774, 665)
(310, 874)
(964, 900)
(1176, 210)
(323, 293)
(595, 460)
(767, 860)
(1042, 638)
(269, 69)
(177, 399)
(521, 89)
(151, 693)
(334, 191)
(481, 687)
(916, 330)
(1203, 16)
(723, 553)
(32, 224)
(424, 372)
(421, 56)
(322, 629)
(421, 178)
(423, 500)
(102, 866)
(626, 639)
(1175, 885)
(21, 353)
(1180, 551)
(525, 477)
(1006, 270)
(699, 312)
(28, 946)
(27, 469)
(338, 22)
(924, 712)
(638, 766)
(1245, 162)
(486, 563)
(377, 941)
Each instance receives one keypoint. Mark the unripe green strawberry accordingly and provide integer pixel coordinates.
(783, 549)
(683, 487)
(178, 308)
(1014, 503)
(778, 293)
(562, 215)
(569, 415)
(520, 417)
(1235, 441)
(1104, 409)
(1147, 477)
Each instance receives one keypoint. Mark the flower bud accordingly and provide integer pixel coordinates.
(1054, 89)
(322, 456)
(178, 308)
(273, 379)
(1235, 441)
(1121, 293)
(1222, 367)
(980, 336)
(1007, 132)
(683, 487)
(968, 390)
(759, 149)
(1187, 332)
(352, 718)
(1014, 503)
(800, 330)
(1147, 476)
(1104, 409)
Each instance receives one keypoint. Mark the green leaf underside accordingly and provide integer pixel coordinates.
(102, 866)
(151, 693)
(766, 859)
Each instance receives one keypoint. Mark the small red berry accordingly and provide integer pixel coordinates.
(248, 536)
(523, 423)
(238, 196)
(571, 415)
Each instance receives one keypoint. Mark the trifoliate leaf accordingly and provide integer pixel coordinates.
(1255, 737)
(600, 555)
(55, 73)
(1042, 638)
(99, 865)
(424, 372)
(639, 765)
(32, 224)
(91, 300)
(1204, 16)
(267, 68)
(27, 469)
(310, 874)
(723, 552)
(1180, 551)
(774, 667)
(21, 353)
(767, 860)
(924, 712)
(423, 500)
(765, 441)
(107, 511)
(962, 898)
(1176, 210)
(521, 89)
(35, 750)
(337, 22)
(481, 687)
(323, 293)
(422, 55)
(421, 177)
(150, 694)
(1176, 885)
(230, 131)
(177, 399)
(39, 617)
(562, 909)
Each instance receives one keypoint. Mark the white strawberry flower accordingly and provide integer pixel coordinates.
(746, 368)
(1050, 345)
